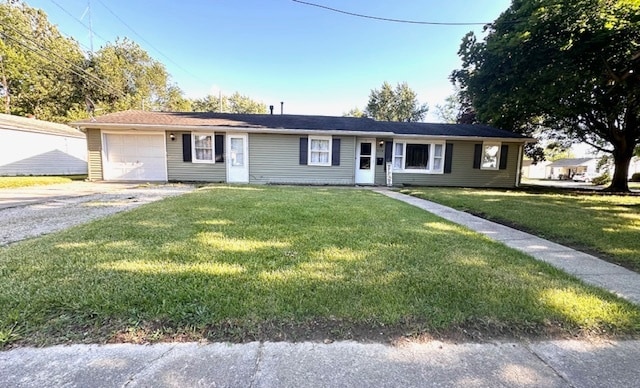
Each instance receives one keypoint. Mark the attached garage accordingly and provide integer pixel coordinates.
(134, 157)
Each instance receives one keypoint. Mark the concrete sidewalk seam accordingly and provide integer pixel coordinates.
(133, 377)
(256, 370)
(548, 365)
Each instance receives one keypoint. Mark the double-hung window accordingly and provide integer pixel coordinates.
(319, 151)
(418, 157)
(490, 156)
(203, 148)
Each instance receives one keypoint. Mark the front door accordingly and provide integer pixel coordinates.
(238, 158)
(365, 161)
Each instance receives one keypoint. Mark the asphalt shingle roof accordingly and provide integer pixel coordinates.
(294, 122)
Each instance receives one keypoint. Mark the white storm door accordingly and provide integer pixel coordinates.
(365, 161)
(238, 158)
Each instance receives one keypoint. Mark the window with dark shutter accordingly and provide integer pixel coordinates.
(219, 148)
(335, 152)
(477, 156)
(304, 149)
(186, 147)
(448, 158)
(388, 152)
(504, 154)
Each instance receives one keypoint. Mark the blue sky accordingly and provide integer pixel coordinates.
(316, 61)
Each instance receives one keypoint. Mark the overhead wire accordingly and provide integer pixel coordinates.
(74, 68)
(391, 19)
(79, 21)
(147, 42)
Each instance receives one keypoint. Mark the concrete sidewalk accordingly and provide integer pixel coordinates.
(341, 364)
(590, 269)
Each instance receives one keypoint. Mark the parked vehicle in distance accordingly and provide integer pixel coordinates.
(586, 177)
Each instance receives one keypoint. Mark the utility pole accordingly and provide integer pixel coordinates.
(5, 87)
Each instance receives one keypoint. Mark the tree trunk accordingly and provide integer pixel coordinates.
(622, 160)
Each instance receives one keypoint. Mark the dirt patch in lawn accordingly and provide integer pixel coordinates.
(320, 330)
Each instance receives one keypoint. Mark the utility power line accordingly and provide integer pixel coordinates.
(79, 21)
(390, 19)
(147, 42)
(47, 54)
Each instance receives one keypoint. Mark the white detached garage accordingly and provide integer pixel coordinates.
(134, 156)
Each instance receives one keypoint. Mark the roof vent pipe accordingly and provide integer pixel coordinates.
(281, 107)
(271, 108)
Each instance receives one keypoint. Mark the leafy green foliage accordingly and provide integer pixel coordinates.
(39, 64)
(561, 67)
(399, 104)
(236, 103)
(136, 81)
(228, 263)
(602, 179)
(635, 177)
(355, 112)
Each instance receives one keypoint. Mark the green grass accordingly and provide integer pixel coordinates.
(245, 263)
(8, 182)
(606, 225)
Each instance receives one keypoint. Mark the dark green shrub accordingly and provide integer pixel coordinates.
(601, 179)
(635, 177)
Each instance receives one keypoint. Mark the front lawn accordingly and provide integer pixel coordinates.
(280, 263)
(606, 225)
(8, 182)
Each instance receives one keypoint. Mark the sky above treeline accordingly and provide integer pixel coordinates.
(317, 61)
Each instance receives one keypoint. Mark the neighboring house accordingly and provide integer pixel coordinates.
(634, 166)
(534, 170)
(35, 147)
(295, 149)
(567, 168)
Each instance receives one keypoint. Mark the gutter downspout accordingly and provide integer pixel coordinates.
(519, 170)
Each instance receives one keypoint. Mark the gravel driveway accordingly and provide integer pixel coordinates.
(64, 207)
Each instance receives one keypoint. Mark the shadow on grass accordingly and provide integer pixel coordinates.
(283, 263)
(603, 225)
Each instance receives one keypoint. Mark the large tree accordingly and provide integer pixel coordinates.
(565, 67)
(399, 104)
(40, 69)
(132, 79)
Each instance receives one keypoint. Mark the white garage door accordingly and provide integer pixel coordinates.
(134, 157)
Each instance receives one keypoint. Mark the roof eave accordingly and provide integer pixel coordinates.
(219, 128)
(468, 138)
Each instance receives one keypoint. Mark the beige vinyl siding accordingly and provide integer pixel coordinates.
(462, 172)
(94, 154)
(275, 159)
(381, 173)
(179, 170)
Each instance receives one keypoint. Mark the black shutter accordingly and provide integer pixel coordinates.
(388, 152)
(186, 147)
(304, 148)
(335, 152)
(448, 158)
(504, 154)
(219, 148)
(477, 156)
